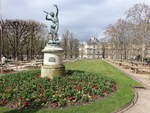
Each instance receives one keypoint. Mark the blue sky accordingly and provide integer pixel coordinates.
(83, 17)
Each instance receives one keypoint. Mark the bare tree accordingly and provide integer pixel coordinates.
(70, 45)
(22, 38)
(130, 37)
(139, 15)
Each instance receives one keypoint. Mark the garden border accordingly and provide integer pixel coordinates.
(130, 104)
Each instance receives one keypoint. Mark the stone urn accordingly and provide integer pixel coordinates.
(52, 64)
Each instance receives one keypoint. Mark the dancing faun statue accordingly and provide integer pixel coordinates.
(53, 17)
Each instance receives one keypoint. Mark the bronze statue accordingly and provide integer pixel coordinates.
(53, 17)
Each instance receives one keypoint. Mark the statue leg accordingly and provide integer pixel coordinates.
(53, 36)
(56, 36)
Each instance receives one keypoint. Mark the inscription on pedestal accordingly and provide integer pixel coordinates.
(52, 59)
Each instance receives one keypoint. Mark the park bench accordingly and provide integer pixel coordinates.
(134, 69)
(145, 69)
(128, 65)
(133, 66)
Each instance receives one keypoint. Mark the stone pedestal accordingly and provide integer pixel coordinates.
(52, 65)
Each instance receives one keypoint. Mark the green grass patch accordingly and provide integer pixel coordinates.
(120, 98)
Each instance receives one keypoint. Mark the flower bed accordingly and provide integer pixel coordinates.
(5, 71)
(27, 90)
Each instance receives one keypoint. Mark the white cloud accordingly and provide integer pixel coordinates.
(84, 18)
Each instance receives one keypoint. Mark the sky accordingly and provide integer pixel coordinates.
(85, 18)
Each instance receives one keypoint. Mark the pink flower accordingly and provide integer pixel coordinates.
(55, 104)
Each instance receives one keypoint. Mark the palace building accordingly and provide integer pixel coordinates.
(98, 49)
(90, 49)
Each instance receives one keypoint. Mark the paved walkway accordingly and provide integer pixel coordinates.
(143, 103)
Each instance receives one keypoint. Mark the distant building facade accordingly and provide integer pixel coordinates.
(90, 49)
(103, 49)
(148, 53)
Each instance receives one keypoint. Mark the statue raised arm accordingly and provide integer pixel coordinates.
(57, 10)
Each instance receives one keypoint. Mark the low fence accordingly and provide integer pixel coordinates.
(136, 67)
(25, 65)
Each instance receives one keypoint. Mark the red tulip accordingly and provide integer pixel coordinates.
(4, 101)
(65, 95)
(95, 87)
(7, 89)
(79, 88)
(26, 104)
(49, 79)
(71, 98)
(114, 87)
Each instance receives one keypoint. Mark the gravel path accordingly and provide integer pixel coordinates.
(143, 102)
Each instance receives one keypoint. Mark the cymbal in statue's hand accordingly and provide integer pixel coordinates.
(55, 5)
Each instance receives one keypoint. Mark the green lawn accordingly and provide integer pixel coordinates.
(109, 104)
